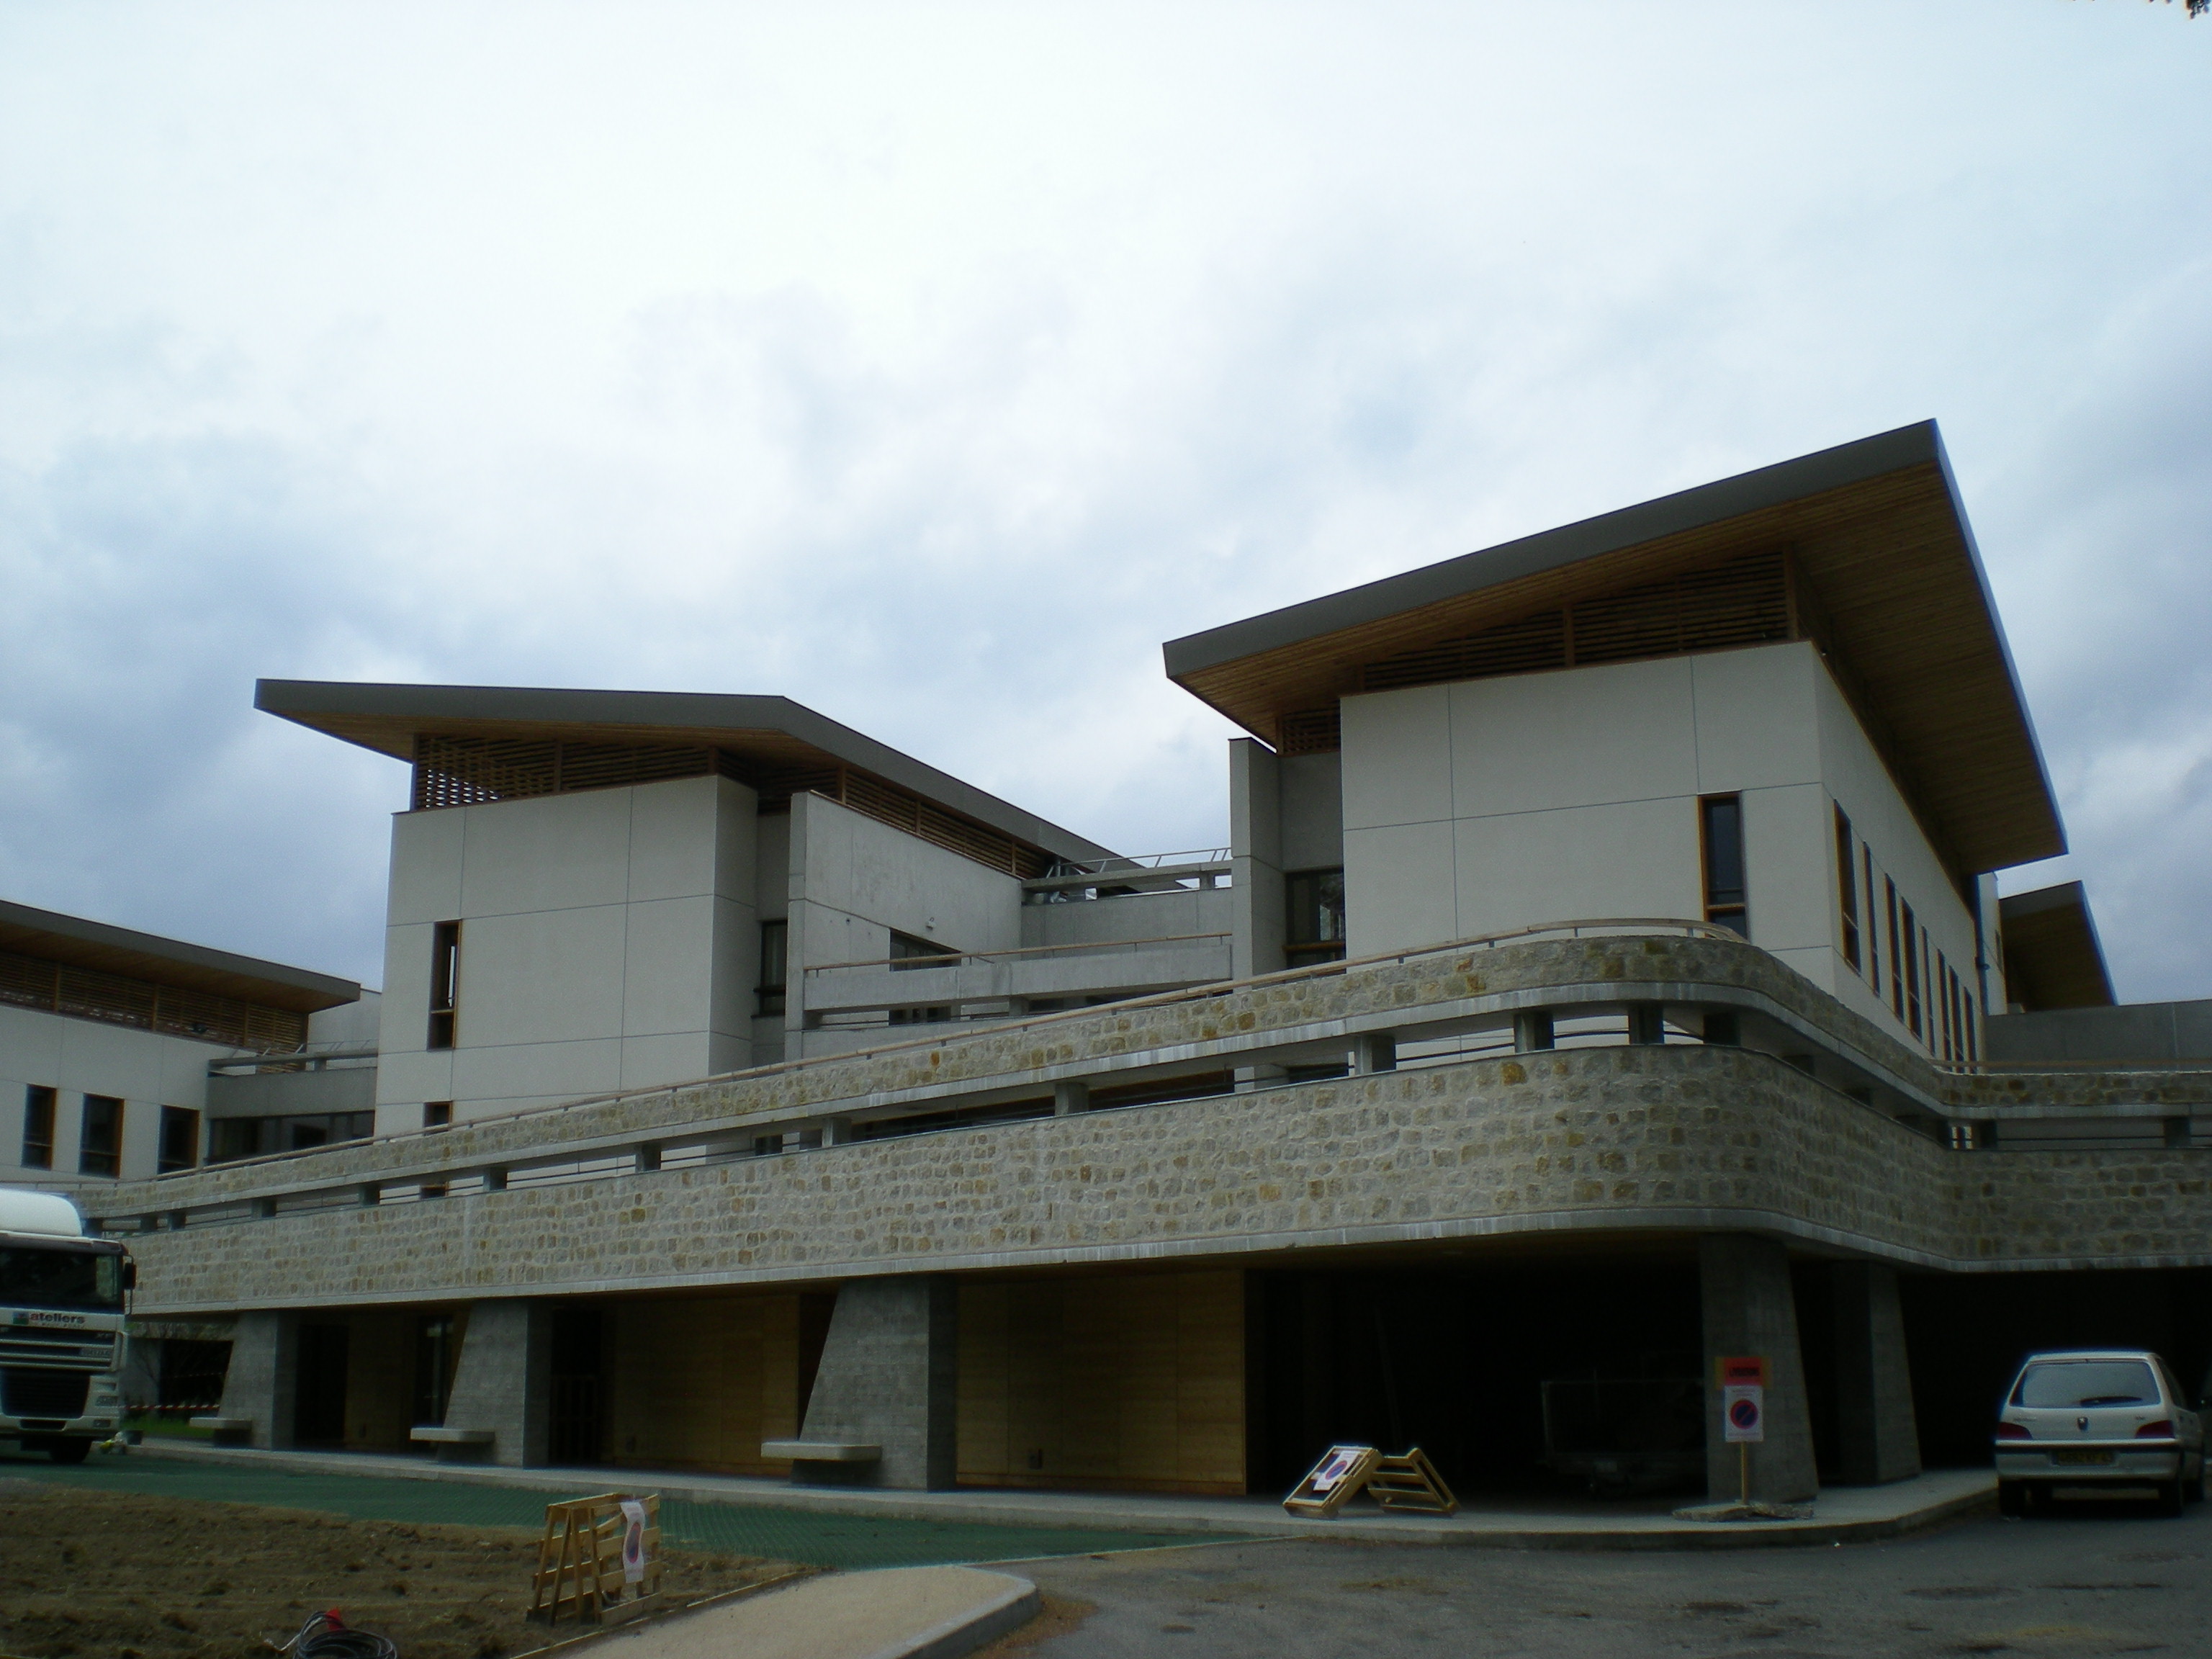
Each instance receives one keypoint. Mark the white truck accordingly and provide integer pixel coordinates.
(61, 1327)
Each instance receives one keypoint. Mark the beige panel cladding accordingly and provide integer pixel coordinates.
(1680, 1136)
(1132, 1382)
(701, 1381)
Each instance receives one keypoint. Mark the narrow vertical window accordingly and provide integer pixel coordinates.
(1847, 889)
(436, 1115)
(1874, 928)
(1896, 951)
(774, 955)
(1313, 917)
(38, 1127)
(1913, 972)
(100, 1142)
(180, 1140)
(445, 983)
(1973, 1042)
(1720, 822)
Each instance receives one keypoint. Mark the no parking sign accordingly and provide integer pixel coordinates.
(1743, 1414)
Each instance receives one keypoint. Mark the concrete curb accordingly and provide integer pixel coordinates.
(895, 1613)
(1885, 1512)
(1012, 1609)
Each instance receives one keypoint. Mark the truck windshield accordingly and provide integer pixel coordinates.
(90, 1281)
(2067, 1383)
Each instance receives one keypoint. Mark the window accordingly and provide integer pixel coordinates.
(38, 1127)
(1896, 955)
(1874, 933)
(1721, 834)
(180, 1139)
(231, 1138)
(100, 1142)
(437, 1113)
(936, 1016)
(774, 955)
(1967, 1020)
(907, 951)
(436, 1354)
(1313, 917)
(445, 983)
(1847, 889)
(1912, 970)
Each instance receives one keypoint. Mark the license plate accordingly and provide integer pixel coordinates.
(2078, 1458)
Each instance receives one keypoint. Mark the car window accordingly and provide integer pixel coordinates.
(2067, 1383)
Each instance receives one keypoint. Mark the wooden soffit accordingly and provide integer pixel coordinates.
(774, 734)
(1875, 528)
(2052, 957)
(77, 942)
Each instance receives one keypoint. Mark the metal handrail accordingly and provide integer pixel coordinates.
(955, 958)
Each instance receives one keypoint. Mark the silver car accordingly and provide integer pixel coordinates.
(2112, 1418)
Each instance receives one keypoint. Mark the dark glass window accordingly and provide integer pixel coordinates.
(436, 1353)
(1313, 916)
(445, 983)
(61, 1277)
(100, 1142)
(1873, 924)
(1847, 889)
(1721, 826)
(774, 965)
(180, 1139)
(231, 1138)
(1896, 950)
(907, 951)
(1912, 975)
(38, 1127)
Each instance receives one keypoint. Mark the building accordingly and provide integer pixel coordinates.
(1606, 975)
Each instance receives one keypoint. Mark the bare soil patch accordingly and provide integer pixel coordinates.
(123, 1576)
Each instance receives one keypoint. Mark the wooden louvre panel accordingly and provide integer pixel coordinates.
(1309, 732)
(86, 993)
(888, 804)
(1742, 602)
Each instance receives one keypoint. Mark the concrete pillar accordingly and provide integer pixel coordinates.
(504, 1379)
(1070, 1096)
(888, 1378)
(1378, 1051)
(1750, 1308)
(1532, 1029)
(1647, 1023)
(1880, 1438)
(262, 1386)
(1256, 849)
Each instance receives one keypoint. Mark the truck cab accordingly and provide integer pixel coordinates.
(61, 1327)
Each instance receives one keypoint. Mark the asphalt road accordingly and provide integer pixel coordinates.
(2105, 1580)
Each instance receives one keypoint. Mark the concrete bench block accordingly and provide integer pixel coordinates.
(455, 1446)
(822, 1451)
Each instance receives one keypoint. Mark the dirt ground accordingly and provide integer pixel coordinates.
(120, 1576)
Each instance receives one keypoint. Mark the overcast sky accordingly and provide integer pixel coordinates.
(931, 364)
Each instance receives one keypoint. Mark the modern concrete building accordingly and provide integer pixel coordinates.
(1606, 975)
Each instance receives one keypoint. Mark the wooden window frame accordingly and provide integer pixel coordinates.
(1721, 910)
(1896, 951)
(1847, 889)
(1915, 973)
(178, 1123)
(444, 986)
(105, 1163)
(1873, 927)
(41, 1104)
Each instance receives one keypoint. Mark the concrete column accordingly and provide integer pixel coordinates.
(262, 1386)
(1647, 1023)
(1532, 1029)
(888, 1378)
(1749, 1309)
(1250, 1079)
(504, 1380)
(1255, 850)
(1375, 1052)
(1070, 1096)
(1880, 1437)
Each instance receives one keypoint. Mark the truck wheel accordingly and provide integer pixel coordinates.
(69, 1451)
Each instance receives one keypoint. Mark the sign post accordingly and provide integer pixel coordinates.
(1743, 1412)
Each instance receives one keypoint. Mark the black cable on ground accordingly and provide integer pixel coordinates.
(326, 1636)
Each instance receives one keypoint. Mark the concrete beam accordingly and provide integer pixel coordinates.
(1880, 1437)
(504, 1380)
(1750, 1308)
(888, 1379)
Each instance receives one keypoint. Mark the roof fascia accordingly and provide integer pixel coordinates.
(78, 930)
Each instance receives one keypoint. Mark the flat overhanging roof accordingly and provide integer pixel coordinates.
(96, 945)
(2052, 955)
(774, 734)
(1877, 529)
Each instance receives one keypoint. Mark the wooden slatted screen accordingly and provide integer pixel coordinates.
(85, 994)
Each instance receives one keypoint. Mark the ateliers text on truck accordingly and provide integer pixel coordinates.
(61, 1327)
